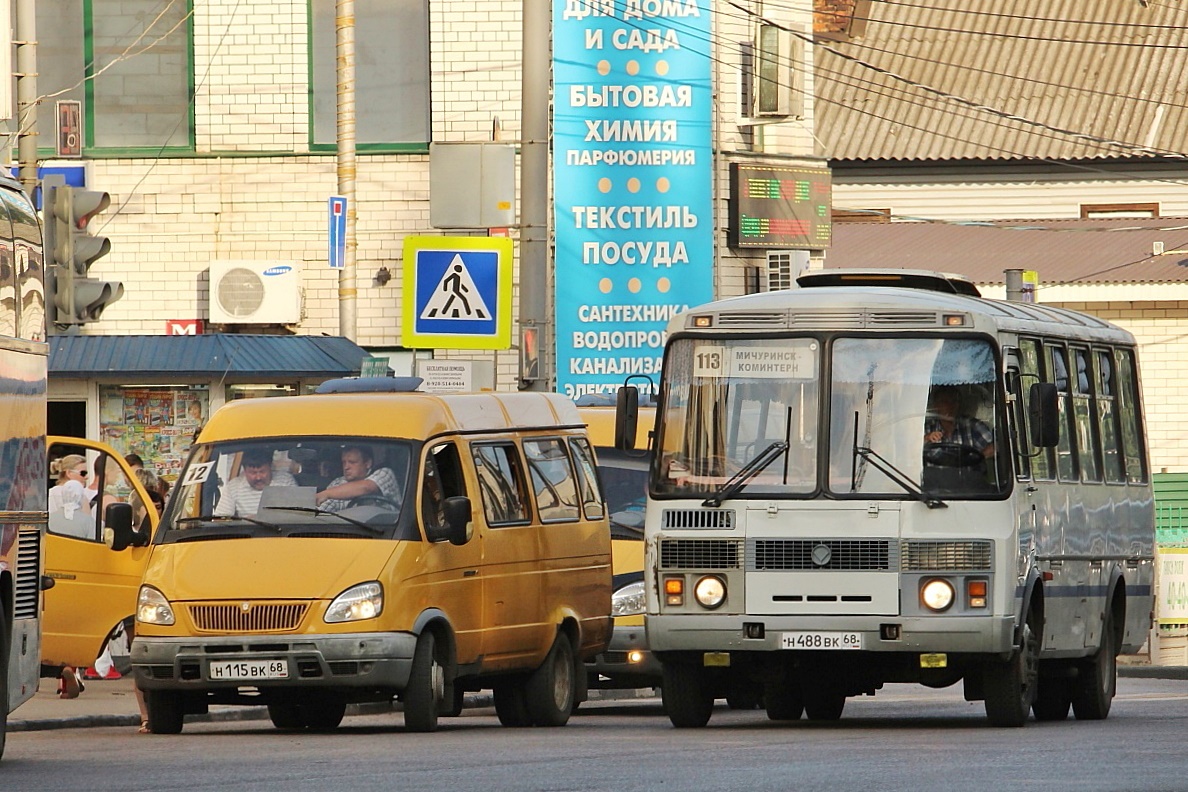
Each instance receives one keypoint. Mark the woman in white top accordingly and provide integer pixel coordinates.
(69, 504)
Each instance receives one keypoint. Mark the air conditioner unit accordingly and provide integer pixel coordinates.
(255, 292)
(784, 267)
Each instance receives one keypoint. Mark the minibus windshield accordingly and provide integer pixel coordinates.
(347, 486)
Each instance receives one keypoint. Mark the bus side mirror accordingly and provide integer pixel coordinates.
(117, 526)
(626, 417)
(457, 519)
(1043, 414)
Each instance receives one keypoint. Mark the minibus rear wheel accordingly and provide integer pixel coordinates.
(552, 688)
(510, 704)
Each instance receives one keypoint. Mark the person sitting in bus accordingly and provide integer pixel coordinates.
(945, 424)
(241, 495)
(359, 479)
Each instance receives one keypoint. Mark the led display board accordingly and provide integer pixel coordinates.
(779, 206)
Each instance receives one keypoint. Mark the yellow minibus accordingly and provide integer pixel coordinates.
(369, 542)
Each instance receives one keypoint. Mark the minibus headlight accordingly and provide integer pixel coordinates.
(629, 600)
(710, 592)
(152, 607)
(364, 601)
(937, 594)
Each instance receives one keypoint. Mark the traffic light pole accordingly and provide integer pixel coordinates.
(535, 322)
(26, 90)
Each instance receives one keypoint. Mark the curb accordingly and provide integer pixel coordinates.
(223, 715)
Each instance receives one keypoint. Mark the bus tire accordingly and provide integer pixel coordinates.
(166, 711)
(322, 711)
(5, 639)
(687, 697)
(1052, 699)
(551, 689)
(1010, 686)
(510, 705)
(783, 700)
(823, 703)
(1094, 685)
(426, 687)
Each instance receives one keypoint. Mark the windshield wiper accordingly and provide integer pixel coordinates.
(322, 512)
(748, 472)
(896, 475)
(218, 518)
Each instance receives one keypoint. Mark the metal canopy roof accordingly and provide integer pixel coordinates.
(230, 356)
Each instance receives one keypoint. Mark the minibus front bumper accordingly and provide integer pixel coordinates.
(356, 660)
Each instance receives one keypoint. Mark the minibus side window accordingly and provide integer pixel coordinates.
(501, 480)
(553, 481)
(443, 479)
(588, 478)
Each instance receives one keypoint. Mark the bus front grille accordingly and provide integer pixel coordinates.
(825, 554)
(255, 617)
(937, 556)
(701, 554)
(698, 518)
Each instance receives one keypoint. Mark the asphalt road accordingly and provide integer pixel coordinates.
(906, 738)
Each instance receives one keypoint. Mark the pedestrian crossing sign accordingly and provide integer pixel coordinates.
(457, 293)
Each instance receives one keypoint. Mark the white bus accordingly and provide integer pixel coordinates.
(819, 523)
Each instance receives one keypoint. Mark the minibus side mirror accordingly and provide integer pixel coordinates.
(626, 417)
(117, 530)
(457, 519)
(1043, 414)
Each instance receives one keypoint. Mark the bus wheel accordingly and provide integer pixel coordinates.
(1052, 699)
(783, 700)
(1094, 686)
(455, 696)
(166, 711)
(285, 715)
(322, 711)
(1010, 687)
(686, 694)
(426, 687)
(552, 688)
(823, 703)
(510, 704)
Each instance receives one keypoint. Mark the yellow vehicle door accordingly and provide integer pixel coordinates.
(94, 587)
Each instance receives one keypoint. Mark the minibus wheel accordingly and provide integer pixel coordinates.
(166, 711)
(285, 715)
(1010, 686)
(426, 686)
(552, 688)
(510, 704)
(822, 702)
(1052, 699)
(783, 700)
(322, 711)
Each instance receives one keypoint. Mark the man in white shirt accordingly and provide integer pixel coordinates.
(241, 495)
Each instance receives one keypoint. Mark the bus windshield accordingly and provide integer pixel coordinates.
(903, 415)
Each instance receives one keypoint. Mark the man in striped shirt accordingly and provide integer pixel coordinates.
(241, 495)
(359, 478)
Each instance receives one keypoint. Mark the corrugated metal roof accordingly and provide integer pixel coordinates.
(1062, 251)
(1116, 70)
(215, 355)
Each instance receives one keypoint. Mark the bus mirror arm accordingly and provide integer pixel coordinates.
(899, 477)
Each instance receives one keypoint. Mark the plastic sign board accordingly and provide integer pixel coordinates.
(457, 293)
(337, 206)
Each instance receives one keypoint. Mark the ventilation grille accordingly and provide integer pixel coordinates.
(698, 518)
(259, 617)
(28, 574)
(844, 554)
(240, 292)
(946, 556)
(766, 319)
(700, 554)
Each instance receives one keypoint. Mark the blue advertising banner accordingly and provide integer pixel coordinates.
(632, 183)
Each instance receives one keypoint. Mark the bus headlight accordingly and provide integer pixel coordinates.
(937, 594)
(364, 601)
(710, 592)
(629, 600)
(152, 607)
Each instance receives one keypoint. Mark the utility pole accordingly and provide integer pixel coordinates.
(344, 28)
(534, 191)
(26, 74)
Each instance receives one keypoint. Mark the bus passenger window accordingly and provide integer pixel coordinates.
(502, 483)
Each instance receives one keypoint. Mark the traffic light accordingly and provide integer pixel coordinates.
(78, 299)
